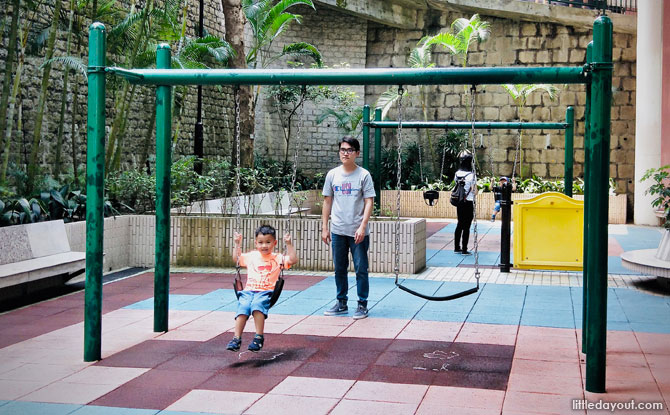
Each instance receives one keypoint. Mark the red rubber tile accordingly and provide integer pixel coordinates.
(390, 374)
(130, 396)
(225, 382)
(192, 363)
(479, 380)
(330, 370)
(170, 379)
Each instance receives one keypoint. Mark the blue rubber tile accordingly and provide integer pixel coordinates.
(614, 267)
(108, 410)
(447, 316)
(494, 319)
(37, 408)
(445, 259)
(449, 228)
(4, 402)
(485, 258)
(352, 308)
(318, 292)
(483, 309)
(639, 238)
(393, 312)
(661, 328)
(298, 307)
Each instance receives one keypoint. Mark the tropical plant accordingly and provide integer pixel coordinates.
(39, 115)
(268, 19)
(520, 93)
(347, 114)
(463, 35)
(660, 189)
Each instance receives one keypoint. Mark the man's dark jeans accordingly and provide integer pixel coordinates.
(342, 245)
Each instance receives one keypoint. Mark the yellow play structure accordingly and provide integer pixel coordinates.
(549, 232)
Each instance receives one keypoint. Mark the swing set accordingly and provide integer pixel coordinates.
(596, 74)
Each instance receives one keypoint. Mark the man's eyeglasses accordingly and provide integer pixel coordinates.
(347, 150)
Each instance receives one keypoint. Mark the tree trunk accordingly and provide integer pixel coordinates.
(9, 66)
(41, 104)
(234, 24)
(63, 97)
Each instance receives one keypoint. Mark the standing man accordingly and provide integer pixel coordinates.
(348, 193)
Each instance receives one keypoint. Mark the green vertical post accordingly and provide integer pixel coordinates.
(366, 137)
(95, 173)
(587, 156)
(378, 160)
(163, 164)
(601, 100)
(569, 149)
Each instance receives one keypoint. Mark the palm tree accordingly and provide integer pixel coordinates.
(9, 66)
(268, 19)
(520, 93)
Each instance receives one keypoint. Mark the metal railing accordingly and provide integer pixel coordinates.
(612, 6)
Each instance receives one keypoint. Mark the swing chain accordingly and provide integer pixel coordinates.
(237, 165)
(473, 92)
(516, 154)
(298, 140)
(418, 145)
(396, 257)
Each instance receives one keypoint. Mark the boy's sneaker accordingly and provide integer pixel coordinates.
(340, 307)
(257, 343)
(493, 218)
(361, 312)
(234, 344)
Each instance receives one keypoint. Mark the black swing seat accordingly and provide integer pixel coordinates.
(440, 298)
(279, 286)
(431, 197)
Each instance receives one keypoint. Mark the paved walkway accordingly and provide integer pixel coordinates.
(511, 348)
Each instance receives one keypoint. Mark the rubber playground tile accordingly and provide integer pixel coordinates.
(455, 397)
(330, 370)
(508, 319)
(351, 406)
(69, 393)
(107, 410)
(521, 402)
(282, 404)
(485, 258)
(430, 330)
(225, 382)
(444, 259)
(215, 401)
(307, 386)
(147, 398)
(37, 408)
(639, 237)
(429, 315)
(396, 393)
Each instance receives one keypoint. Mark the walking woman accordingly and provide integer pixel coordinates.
(464, 210)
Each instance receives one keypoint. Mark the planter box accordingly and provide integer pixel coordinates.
(412, 205)
(129, 241)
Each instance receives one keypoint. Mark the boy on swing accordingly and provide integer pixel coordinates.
(263, 268)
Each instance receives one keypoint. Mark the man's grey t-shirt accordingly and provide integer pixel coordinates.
(349, 192)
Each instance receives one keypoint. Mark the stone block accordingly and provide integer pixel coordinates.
(527, 57)
(627, 112)
(577, 56)
(519, 43)
(560, 56)
(543, 56)
(541, 114)
(628, 84)
(493, 59)
(629, 54)
(532, 156)
(528, 29)
(491, 114)
(557, 170)
(579, 155)
(538, 169)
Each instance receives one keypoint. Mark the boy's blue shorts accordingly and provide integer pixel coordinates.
(251, 301)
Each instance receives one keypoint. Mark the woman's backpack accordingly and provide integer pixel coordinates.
(458, 195)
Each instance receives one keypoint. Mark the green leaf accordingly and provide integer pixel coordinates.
(58, 198)
(303, 49)
(70, 62)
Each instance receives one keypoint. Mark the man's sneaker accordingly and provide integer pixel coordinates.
(234, 344)
(340, 307)
(466, 252)
(257, 343)
(361, 312)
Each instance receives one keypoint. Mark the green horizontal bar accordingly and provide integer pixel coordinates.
(479, 125)
(394, 76)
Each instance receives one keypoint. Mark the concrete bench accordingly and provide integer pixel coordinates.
(35, 252)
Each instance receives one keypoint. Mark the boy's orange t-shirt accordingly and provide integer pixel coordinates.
(262, 270)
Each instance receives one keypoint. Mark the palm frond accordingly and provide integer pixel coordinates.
(70, 62)
(303, 49)
(444, 39)
(387, 99)
(420, 57)
(277, 26)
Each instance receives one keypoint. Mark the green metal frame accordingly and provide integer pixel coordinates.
(568, 126)
(597, 74)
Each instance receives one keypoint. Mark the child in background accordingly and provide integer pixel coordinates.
(263, 268)
(497, 196)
